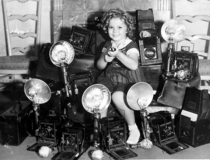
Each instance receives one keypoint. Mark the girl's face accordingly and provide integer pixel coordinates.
(117, 29)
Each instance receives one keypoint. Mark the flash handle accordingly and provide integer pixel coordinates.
(65, 75)
(170, 49)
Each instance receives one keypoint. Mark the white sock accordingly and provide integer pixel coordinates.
(134, 134)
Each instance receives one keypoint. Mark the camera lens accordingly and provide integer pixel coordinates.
(112, 49)
(43, 133)
(46, 131)
(150, 53)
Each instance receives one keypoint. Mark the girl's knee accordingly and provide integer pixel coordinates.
(117, 97)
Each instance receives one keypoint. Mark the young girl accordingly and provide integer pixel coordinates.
(120, 59)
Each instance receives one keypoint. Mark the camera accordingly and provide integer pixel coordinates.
(71, 143)
(80, 38)
(115, 135)
(47, 134)
(47, 131)
(163, 132)
(114, 130)
(183, 66)
(148, 40)
(72, 139)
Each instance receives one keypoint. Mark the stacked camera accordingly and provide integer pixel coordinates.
(114, 131)
(62, 121)
(48, 130)
(114, 135)
(66, 136)
(149, 41)
(47, 133)
(71, 143)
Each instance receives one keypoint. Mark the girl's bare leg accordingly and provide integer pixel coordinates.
(118, 99)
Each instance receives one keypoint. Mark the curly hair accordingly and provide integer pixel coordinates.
(117, 13)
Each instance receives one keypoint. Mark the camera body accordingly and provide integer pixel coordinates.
(162, 125)
(115, 131)
(183, 66)
(47, 134)
(71, 142)
(163, 135)
(71, 139)
(48, 130)
(194, 120)
(115, 135)
(149, 43)
(80, 38)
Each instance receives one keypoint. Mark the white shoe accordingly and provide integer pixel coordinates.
(134, 135)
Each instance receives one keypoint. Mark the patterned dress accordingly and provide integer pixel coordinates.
(116, 74)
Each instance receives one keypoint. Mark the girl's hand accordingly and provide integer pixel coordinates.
(108, 58)
(113, 51)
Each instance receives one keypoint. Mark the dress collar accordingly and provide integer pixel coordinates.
(124, 43)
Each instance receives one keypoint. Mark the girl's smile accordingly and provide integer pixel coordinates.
(117, 30)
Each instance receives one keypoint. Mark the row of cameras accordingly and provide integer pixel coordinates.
(61, 54)
(95, 99)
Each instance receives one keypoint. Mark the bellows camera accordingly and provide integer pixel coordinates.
(115, 135)
(47, 133)
(71, 143)
(149, 42)
(183, 66)
(80, 38)
(163, 135)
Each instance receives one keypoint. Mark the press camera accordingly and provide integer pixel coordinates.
(115, 134)
(182, 65)
(47, 133)
(80, 38)
(71, 142)
(163, 135)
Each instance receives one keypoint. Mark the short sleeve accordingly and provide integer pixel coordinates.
(132, 48)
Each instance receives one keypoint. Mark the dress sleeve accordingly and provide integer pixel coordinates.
(132, 48)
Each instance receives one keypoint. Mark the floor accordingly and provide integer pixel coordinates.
(20, 152)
